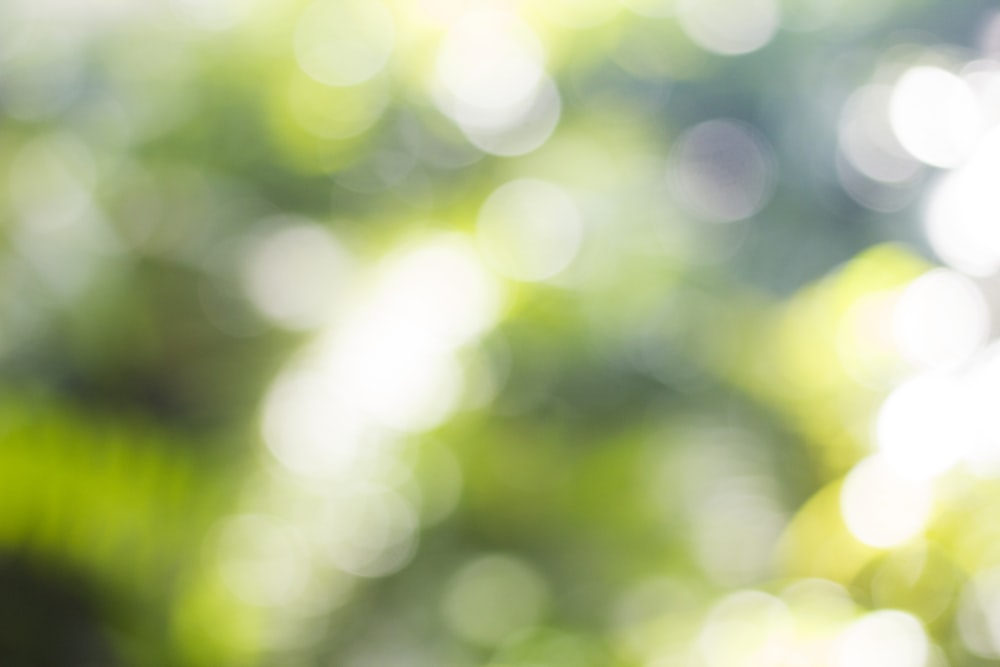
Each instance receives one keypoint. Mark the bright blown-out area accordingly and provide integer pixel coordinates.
(499, 333)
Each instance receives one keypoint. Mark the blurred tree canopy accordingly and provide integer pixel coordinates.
(638, 333)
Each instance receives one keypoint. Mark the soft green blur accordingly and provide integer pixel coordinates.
(500, 333)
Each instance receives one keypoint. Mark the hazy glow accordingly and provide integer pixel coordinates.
(344, 42)
(490, 60)
(492, 597)
(881, 508)
(823, 605)
(50, 181)
(729, 27)
(59, 228)
(440, 289)
(439, 12)
(979, 614)
(389, 361)
(516, 131)
(745, 629)
(651, 8)
(261, 561)
(935, 116)
(578, 13)
(740, 519)
(529, 230)
(867, 140)
(941, 319)
(923, 428)
(396, 354)
(865, 343)
(215, 14)
(309, 426)
(372, 531)
(961, 216)
(721, 171)
(400, 380)
(490, 80)
(885, 638)
(298, 276)
(982, 388)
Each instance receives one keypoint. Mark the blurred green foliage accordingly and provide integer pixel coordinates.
(421, 332)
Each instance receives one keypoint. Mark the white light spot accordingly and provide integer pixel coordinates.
(439, 289)
(885, 638)
(935, 116)
(880, 507)
(401, 381)
(867, 139)
(729, 27)
(490, 60)
(515, 131)
(529, 230)
(309, 426)
(298, 276)
(344, 42)
(961, 216)
(941, 319)
(924, 426)
(490, 79)
(397, 352)
(721, 171)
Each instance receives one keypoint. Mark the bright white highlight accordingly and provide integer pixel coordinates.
(389, 362)
(983, 387)
(310, 426)
(529, 230)
(490, 80)
(344, 42)
(729, 27)
(387, 366)
(527, 127)
(924, 426)
(941, 319)
(935, 116)
(961, 216)
(881, 508)
(490, 60)
(885, 638)
(867, 139)
(396, 354)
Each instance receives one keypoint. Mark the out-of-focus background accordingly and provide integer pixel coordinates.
(510, 333)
